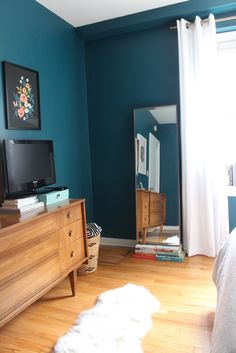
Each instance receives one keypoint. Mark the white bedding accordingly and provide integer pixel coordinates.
(224, 276)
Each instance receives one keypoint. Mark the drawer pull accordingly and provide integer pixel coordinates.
(68, 214)
(70, 233)
(72, 254)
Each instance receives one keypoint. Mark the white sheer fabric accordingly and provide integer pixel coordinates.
(205, 204)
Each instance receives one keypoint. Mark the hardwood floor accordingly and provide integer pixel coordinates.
(183, 324)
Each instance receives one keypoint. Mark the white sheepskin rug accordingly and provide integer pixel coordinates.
(116, 324)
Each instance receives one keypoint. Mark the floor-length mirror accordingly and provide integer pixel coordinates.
(157, 175)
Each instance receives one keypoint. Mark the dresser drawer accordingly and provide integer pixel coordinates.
(70, 233)
(155, 219)
(72, 254)
(24, 233)
(39, 251)
(157, 207)
(155, 197)
(14, 262)
(145, 206)
(145, 220)
(157, 202)
(69, 215)
(15, 293)
(144, 196)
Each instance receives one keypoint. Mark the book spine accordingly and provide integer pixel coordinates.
(20, 203)
(169, 253)
(31, 207)
(15, 206)
(156, 251)
(170, 258)
(158, 248)
(144, 256)
(6, 205)
(146, 252)
(9, 209)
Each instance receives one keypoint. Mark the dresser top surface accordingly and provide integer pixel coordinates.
(12, 218)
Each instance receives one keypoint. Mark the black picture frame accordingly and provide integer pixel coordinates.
(22, 103)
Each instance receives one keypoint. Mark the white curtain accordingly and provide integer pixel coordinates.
(205, 204)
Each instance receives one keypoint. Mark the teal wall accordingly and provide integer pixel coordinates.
(232, 212)
(169, 181)
(131, 62)
(124, 72)
(33, 37)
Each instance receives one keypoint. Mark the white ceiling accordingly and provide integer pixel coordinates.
(84, 12)
(165, 114)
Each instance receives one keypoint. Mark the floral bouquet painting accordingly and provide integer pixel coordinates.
(22, 97)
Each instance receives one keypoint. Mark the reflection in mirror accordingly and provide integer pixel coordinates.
(157, 175)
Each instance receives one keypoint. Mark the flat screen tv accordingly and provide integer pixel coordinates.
(28, 165)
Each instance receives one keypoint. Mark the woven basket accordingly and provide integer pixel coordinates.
(93, 250)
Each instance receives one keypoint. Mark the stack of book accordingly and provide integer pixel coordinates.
(145, 251)
(22, 205)
(171, 253)
(160, 252)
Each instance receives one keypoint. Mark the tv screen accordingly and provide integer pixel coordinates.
(28, 165)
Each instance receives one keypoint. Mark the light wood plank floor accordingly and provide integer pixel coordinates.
(183, 324)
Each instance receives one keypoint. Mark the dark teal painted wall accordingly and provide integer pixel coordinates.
(124, 72)
(169, 182)
(33, 37)
(127, 69)
(232, 212)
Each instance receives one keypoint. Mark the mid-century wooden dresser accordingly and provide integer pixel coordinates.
(150, 212)
(37, 250)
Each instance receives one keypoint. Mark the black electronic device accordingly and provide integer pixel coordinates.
(28, 165)
(55, 188)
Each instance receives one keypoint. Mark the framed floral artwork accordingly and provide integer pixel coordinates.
(22, 97)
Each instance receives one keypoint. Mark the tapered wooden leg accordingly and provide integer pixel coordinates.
(161, 230)
(73, 282)
(144, 235)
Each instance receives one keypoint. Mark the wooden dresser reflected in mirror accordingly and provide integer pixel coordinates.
(151, 212)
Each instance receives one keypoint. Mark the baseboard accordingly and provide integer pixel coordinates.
(130, 242)
(171, 228)
(167, 228)
(118, 242)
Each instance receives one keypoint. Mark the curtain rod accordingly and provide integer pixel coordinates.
(222, 19)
